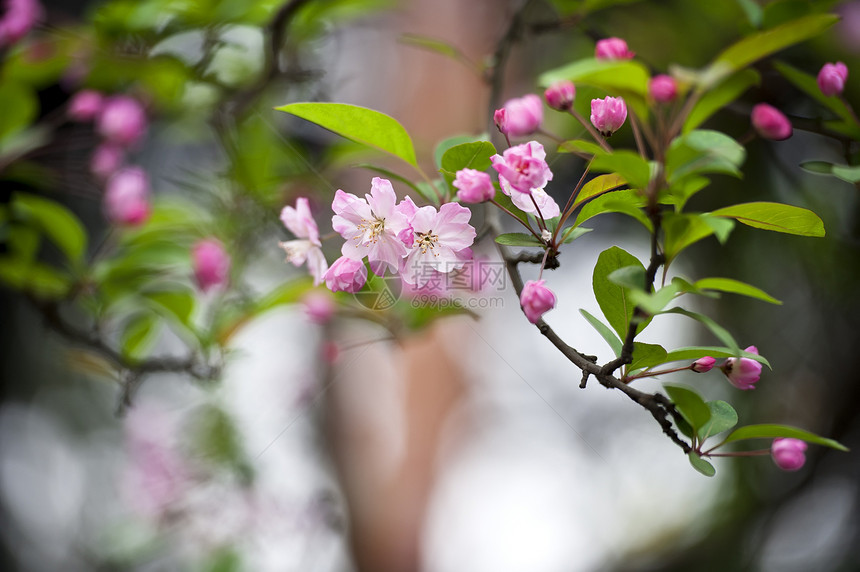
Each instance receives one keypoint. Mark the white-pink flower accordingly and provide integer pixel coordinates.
(523, 173)
(370, 226)
(438, 238)
(307, 246)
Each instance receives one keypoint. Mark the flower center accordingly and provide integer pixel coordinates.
(371, 228)
(425, 240)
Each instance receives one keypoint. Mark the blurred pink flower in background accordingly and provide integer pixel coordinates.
(788, 453)
(122, 120)
(612, 49)
(770, 123)
(831, 78)
(19, 17)
(663, 88)
(560, 95)
(126, 198)
(307, 246)
(520, 116)
(474, 186)
(211, 263)
(85, 105)
(319, 306)
(106, 160)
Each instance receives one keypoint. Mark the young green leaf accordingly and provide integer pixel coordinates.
(723, 418)
(689, 405)
(720, 96)
(359, 124)
(627, 202)
(610, 75)
(519, 239)
(626, 164)
(776, 217)
(446, 144)
(646, 355)
(55, 221)
(139, 333)
(735, 287)
(467, 156)
(703, 151)
(572, 233)
(598, 186)
(808, 84)
(771, 431)
(178, 304)
(614, 300)
(720, 332)
(607, 334)
(701, 465)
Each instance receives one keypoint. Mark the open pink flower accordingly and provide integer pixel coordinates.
(211, 263)
(612, 49)
(608, 114)
(520, 116)
(122, 120)
(523, 173)
(536, 300)
(371, 225)
(474, 186)
(126, 199)
(832, 78)
(307, 246)
(743, 373)
(788, 453)
(438, 238)
(346, 275)
(18, 18)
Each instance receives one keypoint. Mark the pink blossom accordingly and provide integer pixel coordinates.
(523, 167)
(520, 116)
(743, 373)
(536, 299)
(560, 95)
(122, 120)
(608, 114)
(319, 306)
(703, 364)
(788, 453)
(106, 160)
(371, 225)
(126, 199)
(307, 246)
(474, 186)
(663, 88)
(85, 105)
(19, 17)
(438, 237)
(612, 49)
(211, 263)
(832, 78)
(770, 122)
(346, 275)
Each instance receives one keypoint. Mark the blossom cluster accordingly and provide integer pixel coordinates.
(418, 243)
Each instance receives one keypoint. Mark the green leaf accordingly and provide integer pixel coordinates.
(467, 156)
(627, 164)
(610, 75)
(646, 356)
(632, 277)
(614, 300)
(735, 287)
(776, 217)
(40, 280)
(598, 186)
(55, 221)
(683, 230)
(446, 144)
(693, 353)
(519, 239)
(681, 191)
(139, 333)
(580, 146)
(723, 418)
(771, 431)
(846, 173)
(752, 11)
(288, 293)
(762, 44)
(178, 304)
(701, 465)
(432, 192)
(434, 45)
(703, 151)
(720, 96)
(19, 105)
(720, 332)
(359, 124)
(627, 202)
(572, 233)
(689, 405)
(505, 201)
(607, 334)
(652, 303)
(817, 167)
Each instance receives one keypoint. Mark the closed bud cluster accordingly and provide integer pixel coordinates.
(560, 95)
(536, 299)
(832, 78)
(770, 123)
(612, 49)
(663, 88)
(703, 364)
(788, 453)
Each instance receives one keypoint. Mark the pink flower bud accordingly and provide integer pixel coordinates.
(560, 95)
(612, 49)
(126, 198)
(319, 306)
(770, 122)
(703, 364)
(18, 18)
(536, 300)
(520, 116)
(474, 186)
(663, 88)
(788, 453)
(211, 263)
(106, 160)
(743, 373)
(346, 275)
(832, 78)
(608, 115)
(85, 105)
(122, 120)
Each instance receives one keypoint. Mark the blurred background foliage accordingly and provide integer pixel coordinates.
(84, 300)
